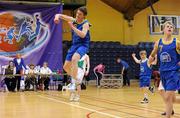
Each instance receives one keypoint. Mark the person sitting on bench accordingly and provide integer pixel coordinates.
(31, 78)
(45, 71)
(10, 79)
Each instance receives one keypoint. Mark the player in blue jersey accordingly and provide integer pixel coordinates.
(80, 39)
(168, 50)
(145, 73)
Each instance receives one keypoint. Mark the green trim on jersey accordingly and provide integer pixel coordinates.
(80, 64)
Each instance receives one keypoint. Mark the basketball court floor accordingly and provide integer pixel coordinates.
(94, 103)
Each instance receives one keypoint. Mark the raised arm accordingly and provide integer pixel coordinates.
(80, 33)
(135, 59)
(154, 62)
(63, 17)
(153, 53)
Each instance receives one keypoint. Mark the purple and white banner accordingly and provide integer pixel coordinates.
(30, 30)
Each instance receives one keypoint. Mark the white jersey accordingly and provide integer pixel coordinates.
(82, 63)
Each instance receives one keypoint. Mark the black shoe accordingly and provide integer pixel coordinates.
(144, 101)
(152, 89)
(163, 114)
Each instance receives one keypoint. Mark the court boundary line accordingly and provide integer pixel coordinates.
(57, 96)
(116, 103)
(81, 107)
(125, 104)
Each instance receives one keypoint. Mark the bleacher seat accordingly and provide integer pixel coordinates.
(106, 52)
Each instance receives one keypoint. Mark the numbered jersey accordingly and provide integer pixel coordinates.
(168, 56)
(144, 69)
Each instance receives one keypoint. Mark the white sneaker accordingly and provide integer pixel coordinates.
(72, 96)
(71, 86)
(77, 98)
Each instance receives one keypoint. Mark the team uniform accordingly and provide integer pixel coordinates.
(79, 45)
(169, 58)
(82, 63)
(81, 70)
(145, 78)
(145, 74)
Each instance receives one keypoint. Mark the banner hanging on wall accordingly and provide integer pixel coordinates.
(30, 30)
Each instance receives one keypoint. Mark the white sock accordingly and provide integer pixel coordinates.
(146, 95)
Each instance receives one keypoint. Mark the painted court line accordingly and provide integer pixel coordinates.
(77, 106)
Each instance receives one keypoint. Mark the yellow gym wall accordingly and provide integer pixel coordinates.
(140, 29)
(107, 23)
(66, 28)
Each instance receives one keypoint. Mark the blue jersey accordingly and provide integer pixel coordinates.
(144, 69)
(168, 56)
(124, 64)
(77, 40)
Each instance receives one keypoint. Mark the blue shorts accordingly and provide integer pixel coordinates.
(145, 81)
(170, 80)
(81, 50)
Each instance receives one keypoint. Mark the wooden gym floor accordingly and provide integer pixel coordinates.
(94, 103)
